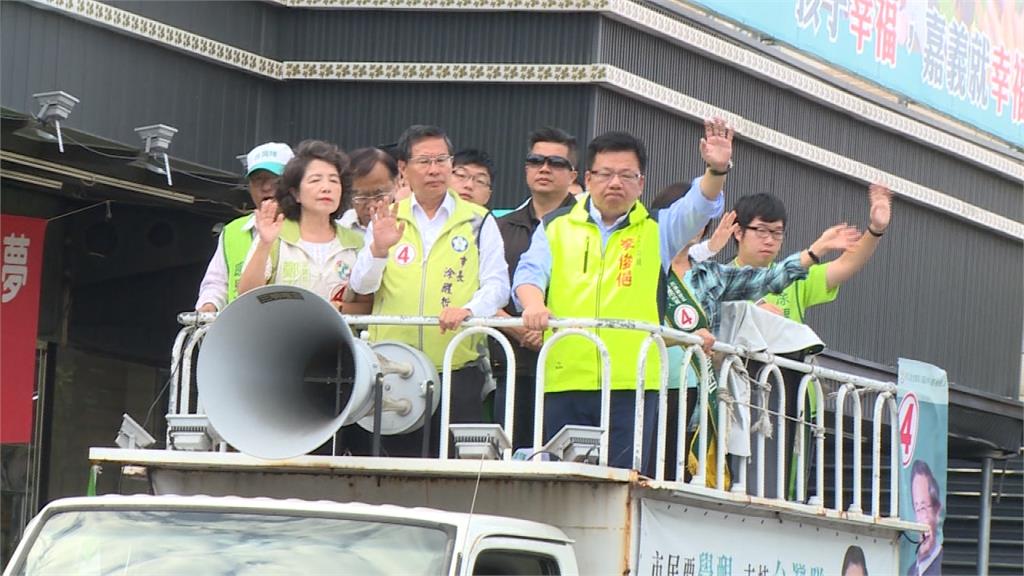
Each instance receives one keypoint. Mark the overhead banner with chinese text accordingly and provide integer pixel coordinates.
(19, 320)
(924, 430)
(965, 59)
(678, 540)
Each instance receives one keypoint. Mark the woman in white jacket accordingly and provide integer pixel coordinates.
(299, 242)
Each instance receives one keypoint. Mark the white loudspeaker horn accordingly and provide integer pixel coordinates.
(280, 372)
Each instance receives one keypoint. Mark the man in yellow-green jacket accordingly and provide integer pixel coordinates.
(434, 254)
(606, 257)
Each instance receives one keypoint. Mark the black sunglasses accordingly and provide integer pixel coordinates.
(556, 162)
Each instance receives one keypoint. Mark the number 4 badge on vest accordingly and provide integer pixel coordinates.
(405, 253)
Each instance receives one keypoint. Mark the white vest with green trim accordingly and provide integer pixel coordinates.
(289, 264)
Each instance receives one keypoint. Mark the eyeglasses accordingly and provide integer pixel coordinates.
(478, 180)
(764, 233)
(424, 161)
(627, 177)
(361, 197)
(556, 162)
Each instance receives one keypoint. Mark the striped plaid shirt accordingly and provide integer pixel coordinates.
(714, 283)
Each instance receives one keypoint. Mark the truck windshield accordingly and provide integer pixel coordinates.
(148, 542)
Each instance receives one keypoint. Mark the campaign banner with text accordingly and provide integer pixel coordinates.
(19, 321)
(685, 540)
(965, 59)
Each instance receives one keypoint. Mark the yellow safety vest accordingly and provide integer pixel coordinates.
(416, 286)
(619, 282)
(237, 241)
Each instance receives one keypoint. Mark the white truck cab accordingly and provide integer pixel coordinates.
(144, 534)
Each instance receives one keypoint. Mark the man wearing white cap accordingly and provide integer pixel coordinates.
(265, 165)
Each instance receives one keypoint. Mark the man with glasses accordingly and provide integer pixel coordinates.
(606, 257)
(472, 175)
(374, 173)
(762, 221)
(927, 500)
(433, 254)
(550, 167)
(265, 164)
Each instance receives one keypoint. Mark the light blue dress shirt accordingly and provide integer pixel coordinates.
(677, 224)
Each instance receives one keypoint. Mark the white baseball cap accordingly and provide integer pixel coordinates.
(271, 156)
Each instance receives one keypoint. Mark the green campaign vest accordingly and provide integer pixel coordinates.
(620, 282)
(237, 242)
(449, 276)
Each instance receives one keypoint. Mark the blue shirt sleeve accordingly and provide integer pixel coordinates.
(684, 218)
(534, 266)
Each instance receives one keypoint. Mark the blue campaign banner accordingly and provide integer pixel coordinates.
(923, 393)
(964, 58)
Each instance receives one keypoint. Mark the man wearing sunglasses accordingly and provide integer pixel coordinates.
(374, 173)
(550, 168)
(433, 254)
(606, 257)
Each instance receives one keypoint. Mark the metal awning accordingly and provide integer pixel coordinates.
(103, 169)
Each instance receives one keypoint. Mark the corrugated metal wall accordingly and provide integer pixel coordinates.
(417, 36)
(124, 83)
(495, 118)
(783, 110)
(937, 289)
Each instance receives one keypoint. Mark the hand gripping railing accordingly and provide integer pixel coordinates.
(195, 326)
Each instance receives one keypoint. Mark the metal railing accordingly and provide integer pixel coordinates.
(730, 373)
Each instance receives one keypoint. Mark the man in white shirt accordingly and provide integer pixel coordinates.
(374, 175)
(265, 165)
(434, 254)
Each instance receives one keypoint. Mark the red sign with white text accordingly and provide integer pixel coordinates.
(22, 248)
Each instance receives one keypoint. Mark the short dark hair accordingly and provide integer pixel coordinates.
(414, 134)
(295, 170)
(364, 160)
(474, 156)
(761, 205)
(555, 136)
(854, 557)
(668, 196)
(921, 468)
(617, 142)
